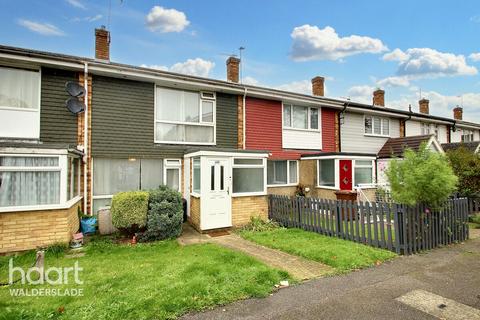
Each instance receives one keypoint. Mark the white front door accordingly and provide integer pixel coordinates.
(216, 200)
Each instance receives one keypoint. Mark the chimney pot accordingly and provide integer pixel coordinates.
(318, 86)
(102, 44)
(233, 69)
(423, 105)
(379, 97)
(458, 113)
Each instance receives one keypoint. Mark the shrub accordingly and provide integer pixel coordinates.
(466, 166)
(421, 177)
(259, 224)
(165, 215)
(129, 210)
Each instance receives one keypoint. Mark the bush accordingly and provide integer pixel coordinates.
(129, 210)
(421, 177)
(466, 166)
(165, 215)
(259, 224)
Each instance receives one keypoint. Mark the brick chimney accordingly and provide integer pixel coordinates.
(233, 69)
(379, 97)
(318, 86)
(102, 44)
(458, 113)
(423, 106)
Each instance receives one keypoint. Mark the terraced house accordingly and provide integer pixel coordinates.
(224, 145)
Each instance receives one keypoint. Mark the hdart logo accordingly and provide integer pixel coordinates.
(51, 276)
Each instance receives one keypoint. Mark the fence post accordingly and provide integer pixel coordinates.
(397, 221)
(338, 213)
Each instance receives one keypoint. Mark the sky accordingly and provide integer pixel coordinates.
(411, 49)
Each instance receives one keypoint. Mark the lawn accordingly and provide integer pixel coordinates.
(147, 281)
(340, 254)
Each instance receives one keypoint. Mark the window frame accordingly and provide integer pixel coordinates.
(193, 191)
(288, 184)
(355, 166)
(37, 108)
(382, 120)
(200, 122)
(337, 169)
(63, 158)
(467, 133)
(309, 116)
(176, 165)
(335, 172)
(250, 166)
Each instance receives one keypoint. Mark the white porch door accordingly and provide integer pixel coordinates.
(216, 200)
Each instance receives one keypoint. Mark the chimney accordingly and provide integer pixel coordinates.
(318, 86)
(423, 106)
(233, 69)
(458, 113)
(102, 44)
(379, 97)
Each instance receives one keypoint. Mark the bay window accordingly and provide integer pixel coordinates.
(248, 176)
(363, 172)
(326, 173)
(38, 181)
(300, 117)
(184, 117)
(282, 172)
(377, 126)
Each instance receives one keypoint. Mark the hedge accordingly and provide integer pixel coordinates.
(129, 210)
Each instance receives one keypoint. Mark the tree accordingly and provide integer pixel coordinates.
(421, 177)
(466, 166)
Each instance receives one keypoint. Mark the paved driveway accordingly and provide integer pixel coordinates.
(452, 272)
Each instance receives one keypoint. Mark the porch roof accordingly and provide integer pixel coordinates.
(338, 154)
(35, 147)
(395, 147)
(226, 151)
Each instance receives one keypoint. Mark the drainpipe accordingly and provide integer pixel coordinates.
(244, 118)
(85, 137)
(345, 105)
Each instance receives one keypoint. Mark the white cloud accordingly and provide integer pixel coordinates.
(45, 29)
(475, 56)
(362, 94)
(251, 81)
(76, 4)
(302, 86)
(313, 43)
(89, 18)
(395, 55)
(196, 67)
(394, 82)
(164, 20)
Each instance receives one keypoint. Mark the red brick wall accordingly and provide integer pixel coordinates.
(328, 130)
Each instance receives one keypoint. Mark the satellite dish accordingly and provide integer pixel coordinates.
(74, 105)
(74, 89)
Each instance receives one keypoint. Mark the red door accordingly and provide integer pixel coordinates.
(345, 174)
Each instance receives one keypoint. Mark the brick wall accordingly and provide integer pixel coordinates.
(28, 230)
(81, 141)
(194, 217)
(245, 207)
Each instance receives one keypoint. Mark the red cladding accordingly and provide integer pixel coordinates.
(264, 129)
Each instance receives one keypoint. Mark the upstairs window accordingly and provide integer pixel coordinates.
(425, 129)
(377, 126)
(467, 135)
(299, 117)
(184, 117)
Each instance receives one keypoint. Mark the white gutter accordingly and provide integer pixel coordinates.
(43, 61)
(85, 137)
(244, 121)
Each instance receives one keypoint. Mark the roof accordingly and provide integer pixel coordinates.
(394, 147)
(102, 66)
(472, 146)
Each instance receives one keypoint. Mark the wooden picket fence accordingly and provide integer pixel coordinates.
(399, 228)
(474, 205)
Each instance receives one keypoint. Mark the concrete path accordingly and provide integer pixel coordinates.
(451, 272)
(297, 267)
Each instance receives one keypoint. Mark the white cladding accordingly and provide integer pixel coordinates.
(301, 139)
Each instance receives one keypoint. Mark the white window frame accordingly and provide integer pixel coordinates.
(355, 166)
(373, 134)
(425, 128)
(71, 180)
(335, 170)
(467, 133)
(288, 184)
(193, 192)
(319, 109)
(62, 168)
(200, 123)
(263, 166)
(175, 164)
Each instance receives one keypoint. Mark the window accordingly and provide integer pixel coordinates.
(377, 126)
(172, 173)
(282, 172)
(248, 176)
(184, 117)
(363, 172)
(326, 173)
(467, 135)
(111, 176)
(42, 181)
(196, 175)
(298, 117)
(425, 129)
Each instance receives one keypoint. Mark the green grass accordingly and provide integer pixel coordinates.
(340, 254)
(159, 280)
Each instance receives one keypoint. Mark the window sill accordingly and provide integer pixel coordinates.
(326, 187)
(303, 130)
(195, 195)
(248, 194)
(19, 109)
(376, 135)
(67, 205)
(282, 185)
(186, 143)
